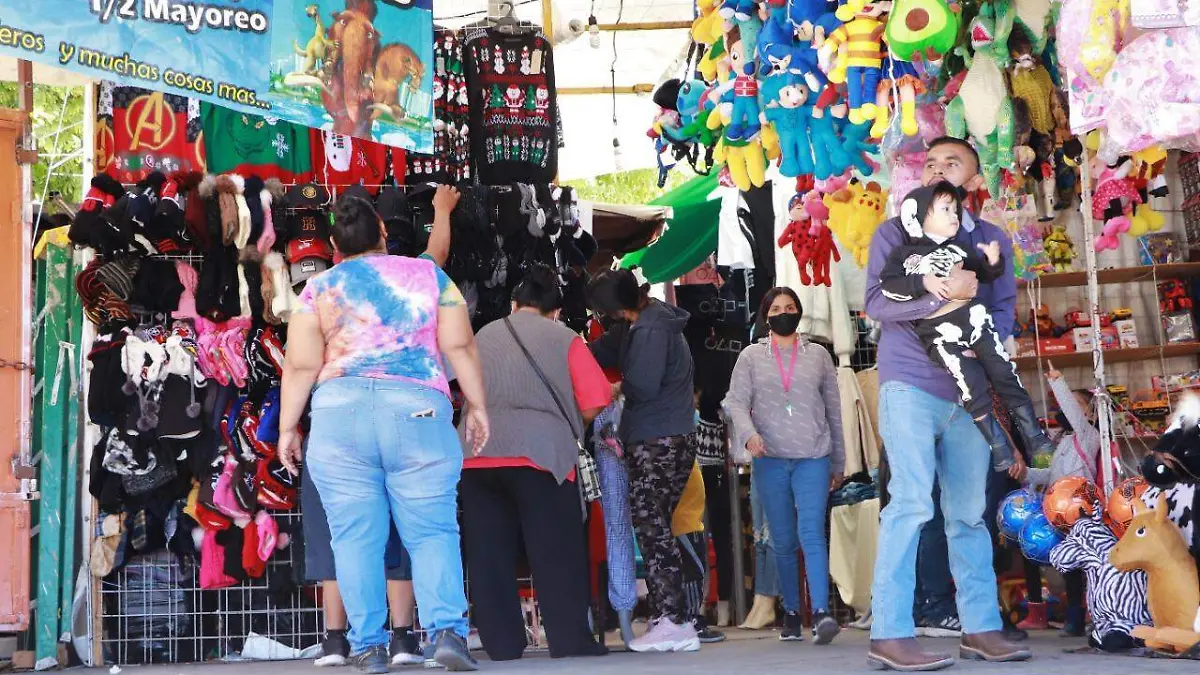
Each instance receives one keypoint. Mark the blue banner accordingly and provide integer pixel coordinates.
(212, 50)
(358, 67)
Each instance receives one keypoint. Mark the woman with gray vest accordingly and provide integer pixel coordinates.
(543, 388)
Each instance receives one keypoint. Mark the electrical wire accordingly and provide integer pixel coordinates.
(612, 71)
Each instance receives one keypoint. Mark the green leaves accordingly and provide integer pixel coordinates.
(60, 151)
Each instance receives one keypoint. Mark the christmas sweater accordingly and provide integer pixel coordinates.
(139, 131)
(514, 119)
(267, 147)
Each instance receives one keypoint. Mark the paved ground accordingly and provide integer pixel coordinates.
(760, 652)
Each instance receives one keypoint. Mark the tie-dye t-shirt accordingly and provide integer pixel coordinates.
(378, 314)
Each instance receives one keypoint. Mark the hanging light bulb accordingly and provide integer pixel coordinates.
(618, 165)
(594, 32)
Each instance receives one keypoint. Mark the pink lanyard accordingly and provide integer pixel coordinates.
(1083, 457)
(786, 377)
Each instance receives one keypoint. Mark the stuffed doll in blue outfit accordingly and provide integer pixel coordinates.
(829, 152)
(789, 109)
(739, 9)
(743, 119)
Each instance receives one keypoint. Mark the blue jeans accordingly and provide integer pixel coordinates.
(794, 494)
(861, 84)
(935, 589)
(372, 460)
(926, 438)
(766, 577)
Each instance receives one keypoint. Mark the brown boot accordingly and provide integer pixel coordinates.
(905, 655)
(991, 646)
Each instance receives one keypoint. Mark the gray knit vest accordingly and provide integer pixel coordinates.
(525, 422)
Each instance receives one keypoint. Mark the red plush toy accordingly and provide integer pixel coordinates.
(811, 241)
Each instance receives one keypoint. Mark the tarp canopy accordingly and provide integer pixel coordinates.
(690, 235)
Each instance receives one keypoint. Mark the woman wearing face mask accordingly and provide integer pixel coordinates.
(783, 400)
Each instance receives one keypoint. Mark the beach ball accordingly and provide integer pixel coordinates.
(1038, 538)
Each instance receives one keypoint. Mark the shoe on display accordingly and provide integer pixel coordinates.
(945, 627)
(667, 636)
(905, 655)
(1036, 618)
(405, 649)
(723, 619)
(825, 628)
(335, 650)
(372, 660)
(992, 647)
(793, 628)
(761, 615)
(451, 652)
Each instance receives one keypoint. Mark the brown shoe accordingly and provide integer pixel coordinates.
(905, 655)
(991, 646)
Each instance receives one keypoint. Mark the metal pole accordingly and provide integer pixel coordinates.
(547, 18)
(738, 587)
(1103, 404)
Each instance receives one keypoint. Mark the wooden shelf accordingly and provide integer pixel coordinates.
(1117, 275)
(1075, 359)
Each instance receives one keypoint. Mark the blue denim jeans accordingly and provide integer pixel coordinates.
(794, 494)
(766, 577)
(926, 438)
(935, 588)
(372, 460)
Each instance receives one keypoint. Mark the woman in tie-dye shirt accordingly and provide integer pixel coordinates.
(370, 334)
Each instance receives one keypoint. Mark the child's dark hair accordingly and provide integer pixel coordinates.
(944, 189)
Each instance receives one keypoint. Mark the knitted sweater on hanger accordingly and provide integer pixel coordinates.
(514, 119)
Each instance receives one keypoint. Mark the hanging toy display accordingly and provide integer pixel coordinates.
(854, 214)
(811, 241)
(1113, 202)
(918, 29)
(979, 106)
(863, 37)
(1060, 250)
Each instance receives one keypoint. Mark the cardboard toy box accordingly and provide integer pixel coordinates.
(1126, 333)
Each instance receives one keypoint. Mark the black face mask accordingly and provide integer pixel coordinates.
(784, 325)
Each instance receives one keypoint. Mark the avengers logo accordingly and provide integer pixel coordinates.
(150, 122)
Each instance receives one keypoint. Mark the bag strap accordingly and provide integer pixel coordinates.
(542, 376)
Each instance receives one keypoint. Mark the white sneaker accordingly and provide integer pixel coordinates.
(667, 636)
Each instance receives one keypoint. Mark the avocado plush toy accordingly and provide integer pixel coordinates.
(922, 29)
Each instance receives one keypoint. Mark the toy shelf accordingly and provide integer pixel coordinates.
(1118, 275)
(1075, 359)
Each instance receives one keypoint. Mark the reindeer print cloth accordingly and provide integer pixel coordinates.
(1116, 599)
(514, 116)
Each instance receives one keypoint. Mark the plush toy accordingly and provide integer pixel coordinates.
(856, 143)
(1076, 36)
(982, 108)
(789, 111)
(811, 242)
(903, 77)
(738, 9)
(863, 36)
(1145, 220)
(1060, 250)
(1155, 544)
(742, 122)
(825, 26)
(745, 160)
(714, 66)
(708, 25)
(922, 29)
(1116, 599)
(1113, 201)
(854, 213)
(1033, 154)
(779, 51)
(1030, 82)
(693, 112)
(829, 152)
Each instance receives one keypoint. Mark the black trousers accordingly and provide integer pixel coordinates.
(971, 328)
(1074, 580)
(504, 509)
(716, 505)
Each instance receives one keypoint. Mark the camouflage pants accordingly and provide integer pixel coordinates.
(658, 471)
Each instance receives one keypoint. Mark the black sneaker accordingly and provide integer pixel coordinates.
(405, 649)
(372, 660)
(825, 628)
(335, 650)
(793, 628)
(709, 635)
(945, 627)
(451, 652)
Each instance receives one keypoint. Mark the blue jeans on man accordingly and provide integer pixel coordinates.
(934, 593)
(380, 450)
(930, 438)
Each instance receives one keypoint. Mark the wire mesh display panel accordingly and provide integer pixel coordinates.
(154, 610)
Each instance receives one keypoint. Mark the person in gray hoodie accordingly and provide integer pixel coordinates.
(645, 341)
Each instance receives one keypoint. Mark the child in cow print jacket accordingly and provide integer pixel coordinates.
(930, 216)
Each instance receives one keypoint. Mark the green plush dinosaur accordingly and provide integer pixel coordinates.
(983, 109)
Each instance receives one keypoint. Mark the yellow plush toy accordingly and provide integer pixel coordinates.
(855, 212)
(709, 25)
(1145, 220)
(746, 162)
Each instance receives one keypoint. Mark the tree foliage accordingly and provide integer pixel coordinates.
(639, 186)
(54, 107)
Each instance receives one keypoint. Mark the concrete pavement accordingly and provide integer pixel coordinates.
(750, 653)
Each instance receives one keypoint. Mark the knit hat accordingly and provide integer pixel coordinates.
(253, 192)
(157, 287)
(269, 537)
(268, 296)
(103, 193)
(213, 231)
(188, 279)
(266, 241)
(168, 217)
(212, 564)
(242, 236)
(284, 298)
(268, 417)
(117, 275)
(106, 402)
(276, 486)
(143, 201)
